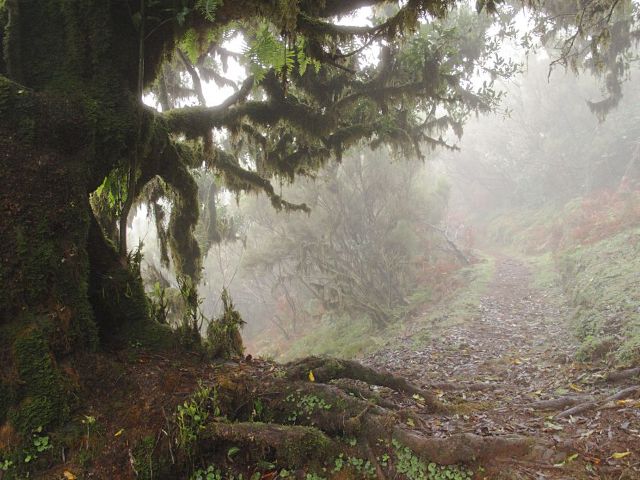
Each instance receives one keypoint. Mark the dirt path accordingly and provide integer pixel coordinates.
(516, 352)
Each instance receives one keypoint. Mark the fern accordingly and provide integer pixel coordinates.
(266, 51)
(208, 8)
(303, 60)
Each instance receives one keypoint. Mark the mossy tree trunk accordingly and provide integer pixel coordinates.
(67, 118)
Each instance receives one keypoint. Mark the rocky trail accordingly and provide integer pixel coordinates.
(510, 370)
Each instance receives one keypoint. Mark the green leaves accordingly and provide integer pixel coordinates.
(415, 469)
(265, 52)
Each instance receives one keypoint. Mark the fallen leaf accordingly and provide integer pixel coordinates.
(68, 475)
(311, 377)
(572, 457)
(619, 455)
(119, 432)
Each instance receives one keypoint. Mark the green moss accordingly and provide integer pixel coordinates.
(44, 400)
(149, 334)
(313, 446)
(595, 348)
(17, 109)
(4, 19)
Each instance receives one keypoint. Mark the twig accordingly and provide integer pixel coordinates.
(132, 462)
(168, 434)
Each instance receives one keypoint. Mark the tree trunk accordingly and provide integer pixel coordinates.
(67, 115)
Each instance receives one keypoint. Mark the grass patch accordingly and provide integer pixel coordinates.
(602, 282)
(462, 304)
(343, 336)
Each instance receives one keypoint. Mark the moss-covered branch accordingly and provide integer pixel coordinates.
(238, 179)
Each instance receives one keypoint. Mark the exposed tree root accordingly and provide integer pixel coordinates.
(467, 387)
(362, 390)
(327, 369)
(286, 444)
(619, 375)
(562, 402)
(305, 419)
(464, 448)
(586, 406)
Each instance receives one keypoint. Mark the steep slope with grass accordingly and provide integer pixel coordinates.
(602, 281)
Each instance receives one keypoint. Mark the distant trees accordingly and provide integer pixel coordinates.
(549, 146)
(360, 250)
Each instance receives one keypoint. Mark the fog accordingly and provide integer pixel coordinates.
(383, 228)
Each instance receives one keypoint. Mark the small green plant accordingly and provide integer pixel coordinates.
(313, 476)
(192, 415)
(5, 465)
(223, 333)
(258, 410)
(363, 467)
(39, 444)
(89, 422)
(232, 452)
(210, 473)
(338, 463)
(415, 469)
(306, 405)
(408, 464)
(159, 304)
